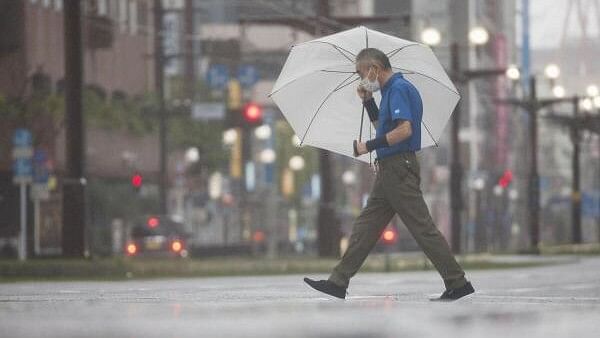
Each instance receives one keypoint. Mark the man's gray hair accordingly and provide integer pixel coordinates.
(375, 57)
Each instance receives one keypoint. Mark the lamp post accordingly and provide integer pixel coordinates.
(532, 105)
(576, 123)
(478, 36)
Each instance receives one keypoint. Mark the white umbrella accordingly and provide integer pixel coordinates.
(316, 90)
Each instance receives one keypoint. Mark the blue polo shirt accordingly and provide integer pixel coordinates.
(400, 100)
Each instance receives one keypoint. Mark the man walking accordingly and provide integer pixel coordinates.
(397, 185)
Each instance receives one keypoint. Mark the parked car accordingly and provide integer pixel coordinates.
(157, 236)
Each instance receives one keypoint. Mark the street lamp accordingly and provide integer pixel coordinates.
(513, 73)
(479, 36)
(587, 104)
(558, 91)
(192, 155)
(596, 101)
(230, 136)
(592, 90)
(296, 163)
(296, 140)
(267, 156)
(552, 71)
(263, 132)
(348, 177)
(431, 36)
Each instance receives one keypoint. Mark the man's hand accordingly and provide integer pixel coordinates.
(363, 93)
(360, 148)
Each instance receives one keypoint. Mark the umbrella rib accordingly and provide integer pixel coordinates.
(338, 48)
(338, 71)
(321, 70)
(408, 71)
(338, 87)
(395, 51)
(429, 132)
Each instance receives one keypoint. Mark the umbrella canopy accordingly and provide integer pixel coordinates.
(316, 89)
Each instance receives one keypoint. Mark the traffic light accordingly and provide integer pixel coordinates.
(136, 181)
(252, 113)
(153, 222)
(506, 178)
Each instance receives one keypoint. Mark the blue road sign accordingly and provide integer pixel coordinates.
(590, 205)
(22, 138)
(217, 76)
(40, 167)
(22, 167)
(247, 75)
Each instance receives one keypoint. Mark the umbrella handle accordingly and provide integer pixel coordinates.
(362, 118)
(355, 146)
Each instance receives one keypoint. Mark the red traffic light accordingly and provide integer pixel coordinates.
(136, 180)
(153, 222)
(258, 236)
(252, 113)
(505, 179)
(389, 236)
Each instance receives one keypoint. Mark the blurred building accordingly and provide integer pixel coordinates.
(118, 63)
(489, 131)
(555, 142)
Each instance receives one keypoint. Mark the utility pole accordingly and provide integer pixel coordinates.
(575, 190)
(162, 118)
(576, 123)
(73, 229)
(328, 232)
(532, 105)
(456, 170)
(188, 43)
(534, 178)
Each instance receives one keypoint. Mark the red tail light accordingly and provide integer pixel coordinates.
(131, 249)
(176, 246)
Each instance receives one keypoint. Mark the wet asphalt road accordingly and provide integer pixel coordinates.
(552, 301)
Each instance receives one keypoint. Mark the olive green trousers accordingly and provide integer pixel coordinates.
(397, 191)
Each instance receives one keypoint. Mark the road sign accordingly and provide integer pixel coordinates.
(22, 153)
(41, 168)
(217, 76)
(208, 111)
(22, 175)
(22, 170)
(247, 75)
(22, 138)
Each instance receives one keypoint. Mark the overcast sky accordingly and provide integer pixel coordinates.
(548, 17)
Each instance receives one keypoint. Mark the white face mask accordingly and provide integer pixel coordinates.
(368, 85)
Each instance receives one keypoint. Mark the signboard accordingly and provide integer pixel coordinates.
(208, 111)
(247, 75)
(41, 174)
(217, 76)
(22, 154)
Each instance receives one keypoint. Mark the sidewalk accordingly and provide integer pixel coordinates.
(127, 268)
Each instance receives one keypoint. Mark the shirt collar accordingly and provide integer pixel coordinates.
(389, 82)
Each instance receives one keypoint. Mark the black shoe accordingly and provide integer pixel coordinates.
(454, 294)
(327, 287)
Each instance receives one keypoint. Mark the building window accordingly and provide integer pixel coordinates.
(123, 15)
(102, 6)
(142, 16)
(133, 17)
(114, 10)
(58, 5)
(46, 3)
